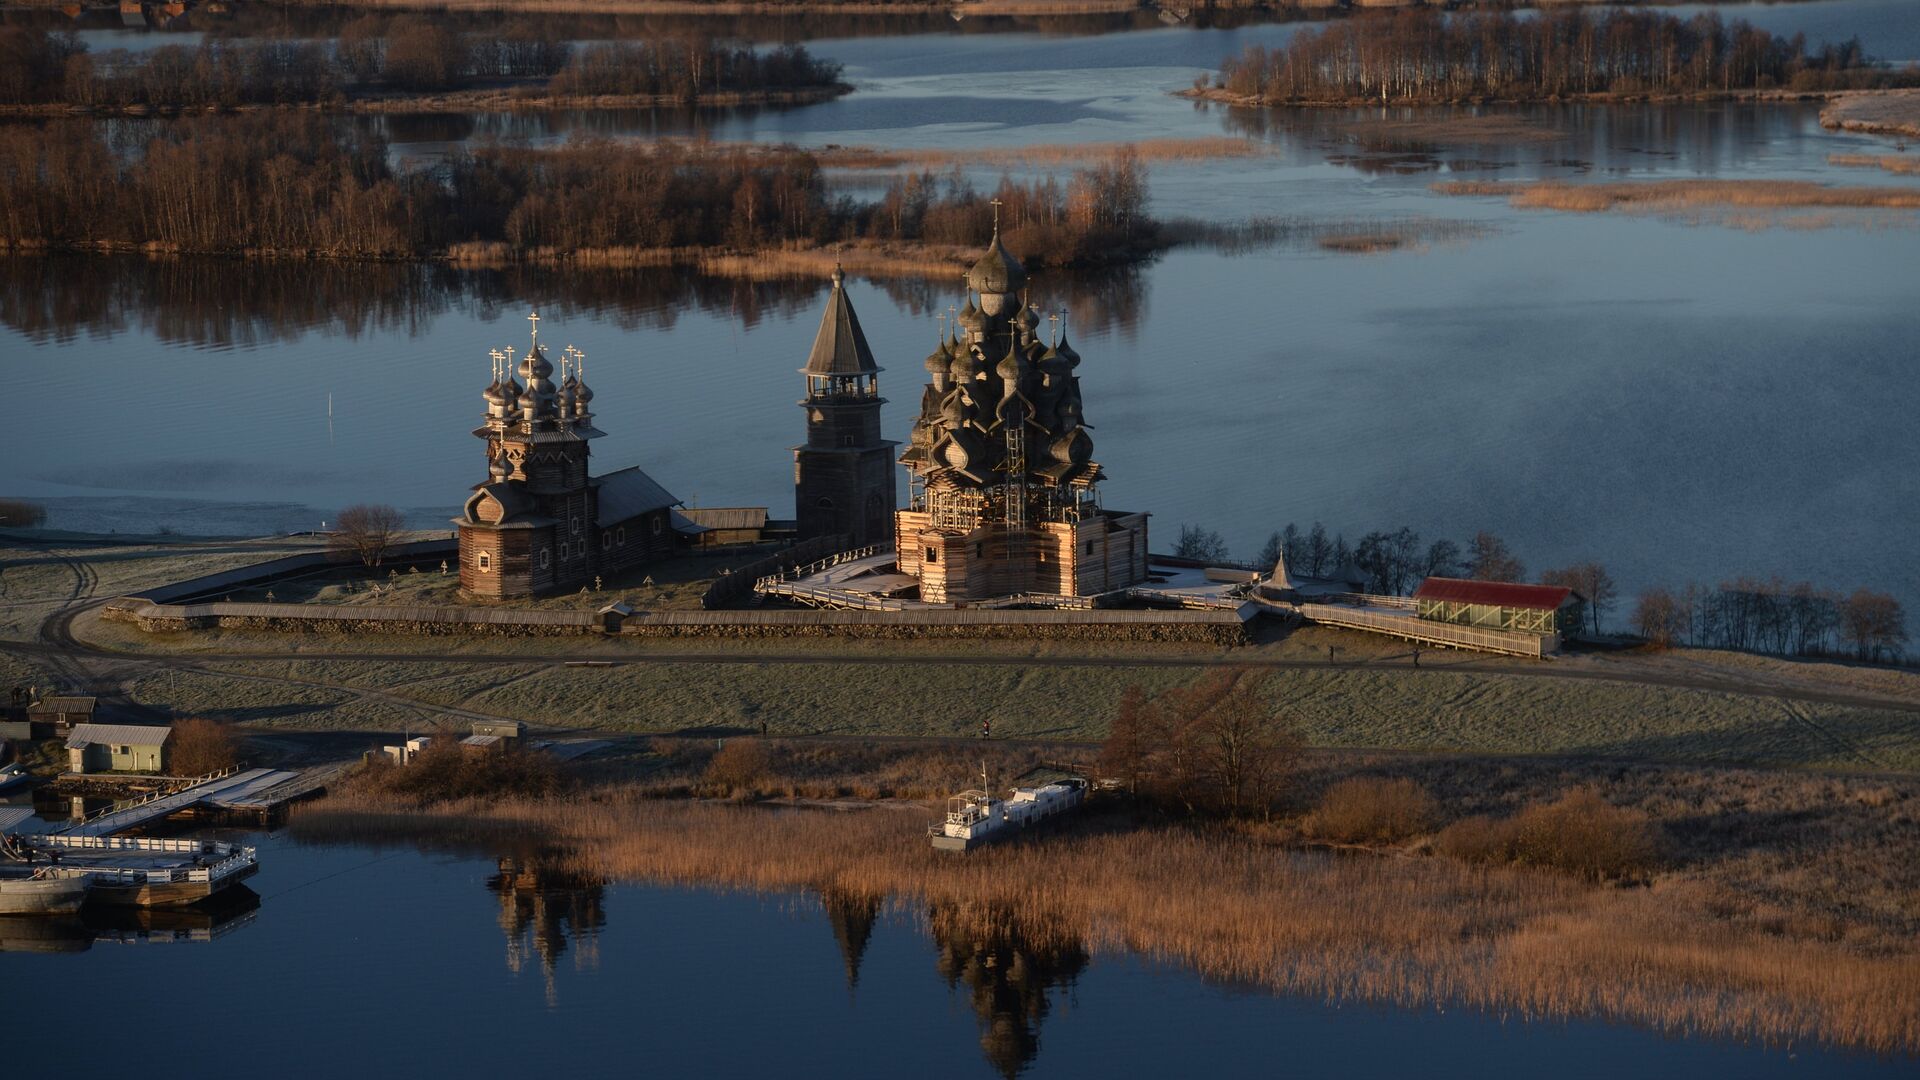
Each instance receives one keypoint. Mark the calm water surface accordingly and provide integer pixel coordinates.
(1683, 398)
(388, 962)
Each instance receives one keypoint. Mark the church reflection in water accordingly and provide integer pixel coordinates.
(1010, 971)
(546, 911)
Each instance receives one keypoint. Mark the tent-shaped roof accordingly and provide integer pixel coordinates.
(840, 348)
(1494, 593)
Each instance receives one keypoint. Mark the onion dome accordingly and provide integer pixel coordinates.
(1011, 367)
(965, 366)
(509, 390)
(501, 468)
(1028, 319)
(535, 366)
(1066, 350)
(972, 317)
(941, 358)
(495, 395)
(997, 271)
(1052, 363)
(582, 393)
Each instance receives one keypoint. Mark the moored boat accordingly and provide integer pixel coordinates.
(975, 817)
(42, 890)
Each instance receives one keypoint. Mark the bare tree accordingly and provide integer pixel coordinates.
(1441, 560)
(1215, 745)
(1874, 624)
(1657, 616)
(1591, 581)
(1200, 544)
(366, 532)
(1319, 550)
(1489, 560)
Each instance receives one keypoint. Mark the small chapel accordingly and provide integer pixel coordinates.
(541, 523)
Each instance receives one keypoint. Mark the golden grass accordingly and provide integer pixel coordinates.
(1666, 196)
(1894, 163)
(1420, 931)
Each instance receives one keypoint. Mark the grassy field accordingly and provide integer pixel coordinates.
(1455, 702)
(1357, 707)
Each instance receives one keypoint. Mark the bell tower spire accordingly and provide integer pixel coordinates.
(843, 480)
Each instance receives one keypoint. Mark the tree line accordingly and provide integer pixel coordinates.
(1425, 55)
(1744, 613)
(295, 183)
(377, 53)
(1773, 616)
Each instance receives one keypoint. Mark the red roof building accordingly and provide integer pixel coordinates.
(1540, 609)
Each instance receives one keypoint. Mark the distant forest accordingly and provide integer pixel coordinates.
(1426, 56)
(300, 184)
(404, 54)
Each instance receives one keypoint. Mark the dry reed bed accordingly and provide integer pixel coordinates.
(1666, 196)
(1899, 164)
(1404, 931)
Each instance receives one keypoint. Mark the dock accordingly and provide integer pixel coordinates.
(256, 792)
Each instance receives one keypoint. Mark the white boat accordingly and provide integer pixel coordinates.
(975, 817)
(41, 891)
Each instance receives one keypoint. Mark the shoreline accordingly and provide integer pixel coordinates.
(1874, 112)
(889, 259)
(1708, 945)
(1219, 96)
(493, 100)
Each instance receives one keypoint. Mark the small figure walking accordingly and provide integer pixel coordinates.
(1416, 658)
(1329, 654)
(986, 729)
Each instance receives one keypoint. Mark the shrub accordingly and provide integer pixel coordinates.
(199, 747)
(740, 764)
(446, 771)
(1579, 833)
(1371, 810)
(21, 514)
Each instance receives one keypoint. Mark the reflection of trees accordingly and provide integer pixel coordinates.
(1106, 299)
(210, 301)
(1009, 969)
(542, 908)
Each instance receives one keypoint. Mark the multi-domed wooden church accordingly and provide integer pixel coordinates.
(1004, 491)
(541, 523)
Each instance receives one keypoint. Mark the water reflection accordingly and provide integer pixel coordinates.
(235, 303)
(543, 908)
(229, 910)
(1545, 140)
(1010, 973)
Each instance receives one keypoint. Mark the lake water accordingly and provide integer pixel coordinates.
(391, 962)
(1684, 399)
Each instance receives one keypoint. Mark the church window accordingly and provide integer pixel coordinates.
(606, 540)
(546, 557)
(574, 524)
(486, 561)
(846, 440)
(824, 503)
(933, 555)
(659, 524)
(620, 535)
(1089, 547)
